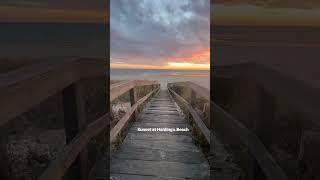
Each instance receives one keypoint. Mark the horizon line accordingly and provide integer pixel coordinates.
(160, 69)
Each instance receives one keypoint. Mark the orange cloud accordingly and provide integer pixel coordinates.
(198, 56)
(134, 66)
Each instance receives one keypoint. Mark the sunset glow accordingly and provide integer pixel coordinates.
(170, 65)
(192, 59)
(134, 66)
(187, 65)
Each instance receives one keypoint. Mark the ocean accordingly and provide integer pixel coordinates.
(200, 77)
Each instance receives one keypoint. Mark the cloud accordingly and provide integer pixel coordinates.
(156, 32)
(298, 4)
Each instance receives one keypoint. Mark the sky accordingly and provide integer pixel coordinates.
(161, 34)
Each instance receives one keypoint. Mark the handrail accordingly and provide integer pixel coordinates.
(303, 97)
(120, 88)
(26, 87)
(123, 121)
(223, 123)
(203, 128)
(59, 166)
(203, 92)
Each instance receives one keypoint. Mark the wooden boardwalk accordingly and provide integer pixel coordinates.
(159, 155)
(142, 155)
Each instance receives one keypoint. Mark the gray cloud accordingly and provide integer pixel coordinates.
(151, 31)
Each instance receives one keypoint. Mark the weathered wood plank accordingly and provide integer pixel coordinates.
(169, 105)
(155, 137)
(159, 116)
(140, 177)
(171, 121)
(160, 125)
(156, 155)
(160, 168)
(161, 145)
(163, 108)
(162, 113)
(134, 130)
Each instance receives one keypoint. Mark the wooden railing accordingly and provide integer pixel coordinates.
(193, 90)
(119, 89)
(22, 89)
(224, 123)
(303, 97)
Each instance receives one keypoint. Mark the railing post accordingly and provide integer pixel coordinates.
(4, 166)
(191, 100)
(152, 88)
(81, 111)
(75, 122)
(265, 122)
(192, 97)
(133, 100)
(264, 125)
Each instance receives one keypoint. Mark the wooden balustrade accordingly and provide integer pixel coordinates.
(119, 89)
(24, 88)
(193, 89)
(303, 97)
(122, 87)
(225, 124)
